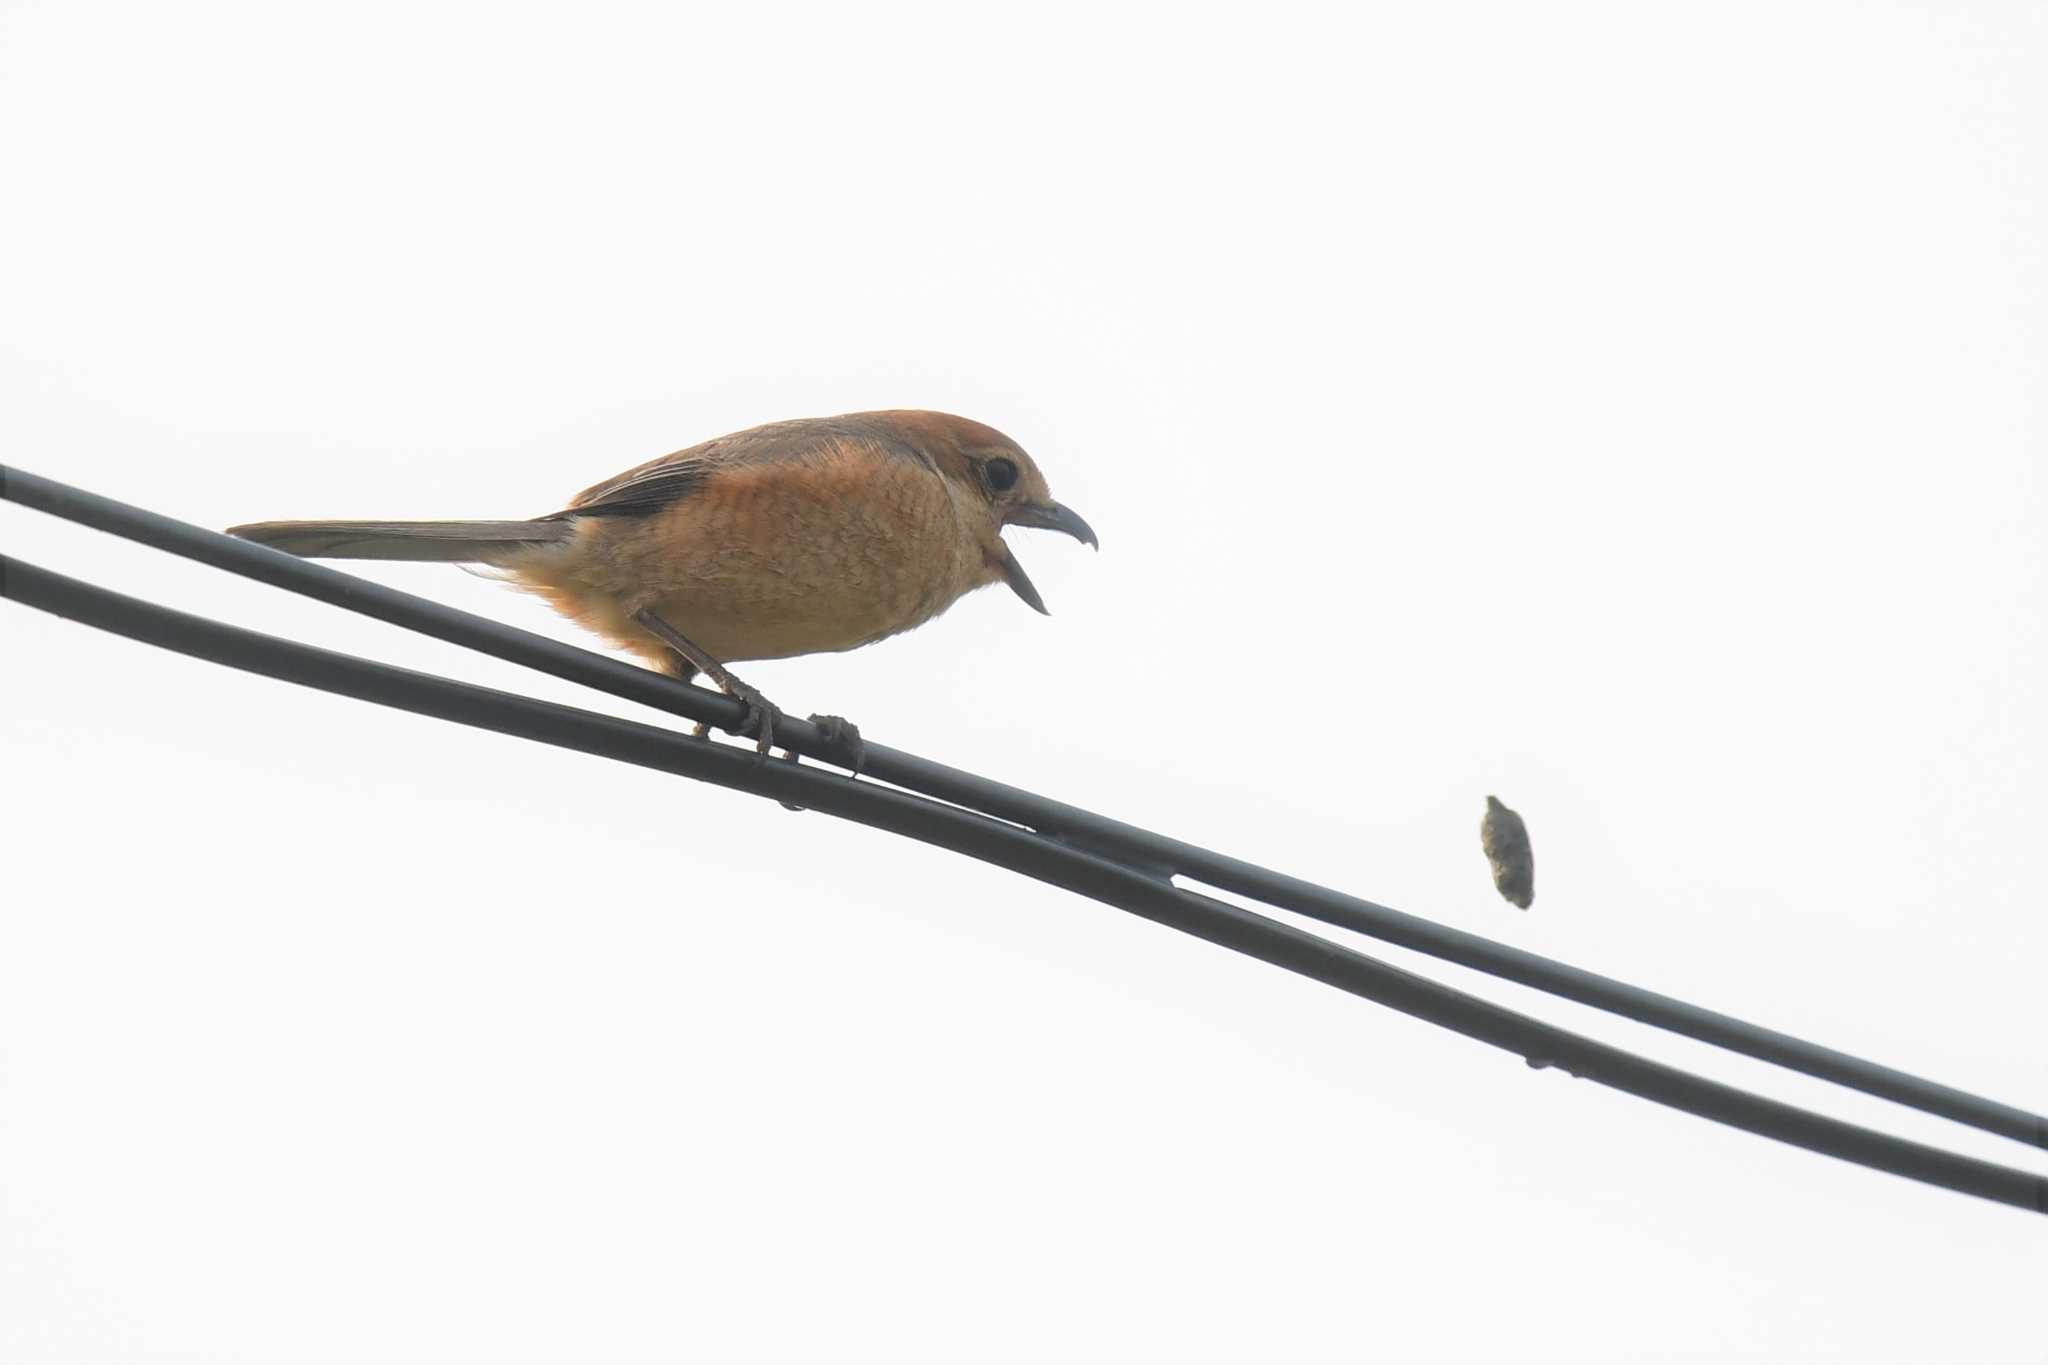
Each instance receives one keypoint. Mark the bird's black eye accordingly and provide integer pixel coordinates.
(1001, 475)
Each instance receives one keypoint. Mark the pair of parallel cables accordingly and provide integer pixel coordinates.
(1121, 865)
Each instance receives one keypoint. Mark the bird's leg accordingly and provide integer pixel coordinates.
(762, 713)
(687, 659)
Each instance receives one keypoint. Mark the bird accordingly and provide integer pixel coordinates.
(1506, 841)
(797, 537)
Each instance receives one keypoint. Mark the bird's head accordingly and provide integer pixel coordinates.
(997, 485)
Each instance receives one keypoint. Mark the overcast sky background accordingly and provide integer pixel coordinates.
(1635, 411)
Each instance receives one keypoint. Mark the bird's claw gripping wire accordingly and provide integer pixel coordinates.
(759, 716)
(844, 737)
(848, 749)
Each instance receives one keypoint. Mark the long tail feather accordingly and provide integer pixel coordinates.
(454, 542)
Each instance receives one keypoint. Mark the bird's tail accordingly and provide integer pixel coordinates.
(453, 542)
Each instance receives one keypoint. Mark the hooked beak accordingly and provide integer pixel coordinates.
(1053, 517)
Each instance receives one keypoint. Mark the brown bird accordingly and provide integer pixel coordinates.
(825, 533)
(1506, 841)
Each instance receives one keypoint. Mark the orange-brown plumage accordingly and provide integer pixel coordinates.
(764, 562)
(791, 538)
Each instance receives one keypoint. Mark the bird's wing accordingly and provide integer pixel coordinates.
(663, 482)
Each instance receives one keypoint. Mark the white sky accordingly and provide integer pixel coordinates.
(1634, 411)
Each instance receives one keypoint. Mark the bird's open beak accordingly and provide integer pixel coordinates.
(1052, 517)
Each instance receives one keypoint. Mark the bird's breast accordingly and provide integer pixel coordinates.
(773, 560)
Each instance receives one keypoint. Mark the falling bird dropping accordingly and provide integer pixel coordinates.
(1506, 841)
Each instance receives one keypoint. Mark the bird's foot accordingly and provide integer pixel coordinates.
(844, 736)
(759, 719)
(850, 751)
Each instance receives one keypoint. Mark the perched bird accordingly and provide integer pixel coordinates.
(793, 538)
(1506, 841)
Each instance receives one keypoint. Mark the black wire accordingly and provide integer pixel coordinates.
(1019, 850)
(1109, 838)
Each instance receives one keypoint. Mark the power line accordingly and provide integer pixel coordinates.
(1108, 838)
(1059, 859)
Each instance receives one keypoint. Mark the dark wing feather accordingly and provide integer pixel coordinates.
(663, 482)
(648, 488)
